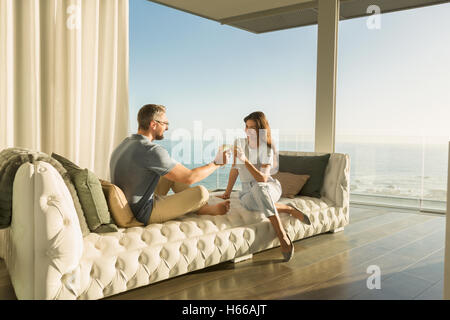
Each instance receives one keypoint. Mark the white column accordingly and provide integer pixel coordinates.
(328, 22)
(447, 237)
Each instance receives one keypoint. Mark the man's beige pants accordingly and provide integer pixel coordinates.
(186, 199)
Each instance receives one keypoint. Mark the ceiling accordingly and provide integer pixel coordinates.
(259, 16)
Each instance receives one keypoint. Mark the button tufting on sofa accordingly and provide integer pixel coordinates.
(131, 283)
(165, 231)
(93, 273)
(66, 222)
(164, 254)
(123, 241)
(173, 272)
(201, 245)
(183, 227)
(111, 263)
(152, 277)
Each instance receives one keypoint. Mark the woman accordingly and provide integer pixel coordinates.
(260, 192)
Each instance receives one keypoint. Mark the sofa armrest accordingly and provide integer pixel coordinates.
(46, 240)
(336, 186)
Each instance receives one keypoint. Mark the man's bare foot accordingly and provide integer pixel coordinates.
(215, 209)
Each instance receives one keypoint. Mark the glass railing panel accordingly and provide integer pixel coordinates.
(380, 170)
(407, 172)
(435, 167)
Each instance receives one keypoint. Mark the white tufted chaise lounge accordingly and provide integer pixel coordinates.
(47, 257)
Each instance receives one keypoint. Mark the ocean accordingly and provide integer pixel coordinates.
(413, 171)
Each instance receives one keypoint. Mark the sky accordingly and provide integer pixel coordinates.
(392, 81)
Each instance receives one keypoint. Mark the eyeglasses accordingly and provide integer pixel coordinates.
(162, 122)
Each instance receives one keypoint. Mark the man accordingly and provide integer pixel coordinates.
(145, 172)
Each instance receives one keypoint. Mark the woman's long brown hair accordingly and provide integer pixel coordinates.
(261, 122)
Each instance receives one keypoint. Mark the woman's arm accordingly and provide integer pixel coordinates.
(231, 181)
(260, 176)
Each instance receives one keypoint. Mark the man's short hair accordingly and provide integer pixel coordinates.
(148, 113)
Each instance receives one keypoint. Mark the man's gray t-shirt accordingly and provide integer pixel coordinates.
(136, 166)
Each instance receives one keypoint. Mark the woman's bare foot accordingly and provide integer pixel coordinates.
(285, 244)
(281, 207)
(215, 209)
(300, 216)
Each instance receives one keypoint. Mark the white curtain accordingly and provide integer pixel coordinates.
(64, 78)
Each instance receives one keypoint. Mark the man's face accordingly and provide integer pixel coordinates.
(162, 124)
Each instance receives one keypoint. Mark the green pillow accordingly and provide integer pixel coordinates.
(90, 193)
(314, 166)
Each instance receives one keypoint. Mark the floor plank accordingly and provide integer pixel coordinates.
(400, 286)
(435, 292)
(353, 280)
(407, 246)
(248, 276)
(431, 269)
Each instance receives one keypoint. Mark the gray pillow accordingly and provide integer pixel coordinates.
(314, 166)
(91, 197)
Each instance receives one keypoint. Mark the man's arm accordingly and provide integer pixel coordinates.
(190, 176)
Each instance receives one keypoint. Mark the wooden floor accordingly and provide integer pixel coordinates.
(406, 246)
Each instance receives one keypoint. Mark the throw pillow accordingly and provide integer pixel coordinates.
(10, 161)
(118, 206)
(91, 196)
(291, 184)
(314, 166)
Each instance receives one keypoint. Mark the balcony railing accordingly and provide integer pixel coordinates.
(401, 172)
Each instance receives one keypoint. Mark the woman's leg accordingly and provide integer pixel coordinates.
(281, 233)
(262, 197)
(281, 207)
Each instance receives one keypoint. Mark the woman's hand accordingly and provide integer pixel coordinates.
(239, 154)
(224, 196)
(221, 157)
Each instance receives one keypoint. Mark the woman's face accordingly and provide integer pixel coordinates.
(251, 130)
